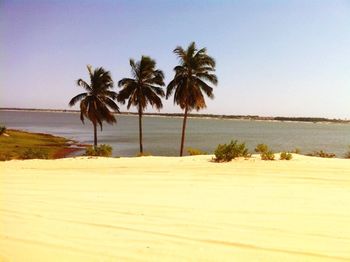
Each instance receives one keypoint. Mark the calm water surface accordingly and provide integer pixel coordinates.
(162, 134)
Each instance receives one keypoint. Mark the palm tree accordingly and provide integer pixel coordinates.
(191, 79)
(143, 88)
(96, 103)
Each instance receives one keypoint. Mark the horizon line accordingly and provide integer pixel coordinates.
(227, 116)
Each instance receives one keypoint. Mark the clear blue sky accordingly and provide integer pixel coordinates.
(274, 58)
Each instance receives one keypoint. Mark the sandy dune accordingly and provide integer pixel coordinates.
(175, 209)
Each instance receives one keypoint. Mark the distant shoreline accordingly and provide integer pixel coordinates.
(22, 144)
(201, 116)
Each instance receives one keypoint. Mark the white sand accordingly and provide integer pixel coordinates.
(175, 209)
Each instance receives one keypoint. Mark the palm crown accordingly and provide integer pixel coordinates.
(145, 87)
(191, 76)
(96, 102)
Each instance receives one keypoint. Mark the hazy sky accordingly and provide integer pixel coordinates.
(278, 58)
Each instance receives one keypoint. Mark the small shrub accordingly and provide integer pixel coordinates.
(90, 151)
(105, 150)
(2, 130)
(265, 152)
(195, 152)
(101, 150)
(269, 155)
(261, 148)
(31, 153)
(227, 152)
(347, 154)
(322, 154)
(143, 154)
(286, 156)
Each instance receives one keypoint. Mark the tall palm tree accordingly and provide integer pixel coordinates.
(144, 88)
(96, 103)
(192, 75)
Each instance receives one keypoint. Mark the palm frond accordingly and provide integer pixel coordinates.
(110, 94)
(134, 68)
(179, 51)
(205, 87)
(156, 78)
(156, 89)
(111, 104)
(106, 114)
(126, 81)
(77, 98)
(207, 60)
(83, 109)
(208, 77)
(130, 102)
(83, 84)
(153, 98)
(199, 102)
(90, 69)
(171, 87)
(127, 91)
(94, 114)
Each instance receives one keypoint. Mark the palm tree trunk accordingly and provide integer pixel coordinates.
(183, 132)
(95, 135)
(140, 130)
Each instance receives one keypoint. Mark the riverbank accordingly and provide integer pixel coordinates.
(162, 135)
(18, 144)
(175, 209)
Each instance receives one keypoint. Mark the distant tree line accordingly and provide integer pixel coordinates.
(309, 119)
(242, 117)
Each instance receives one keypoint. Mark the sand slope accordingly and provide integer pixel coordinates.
(175, 209)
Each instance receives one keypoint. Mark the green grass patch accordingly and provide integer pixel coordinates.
(22, 145)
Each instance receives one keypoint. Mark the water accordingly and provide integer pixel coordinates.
(162, 135)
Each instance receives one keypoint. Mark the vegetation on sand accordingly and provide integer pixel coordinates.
(101, 150)
(227, 152)
(269, 155)
(260, 148)
(96, 102)
(34, 153)
(195, 152)
(265, 152)
(24, 145)
(321, 153)
(286, 156)
(143, 89)
(192, 75)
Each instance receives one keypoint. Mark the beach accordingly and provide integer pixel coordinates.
(175, 209)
